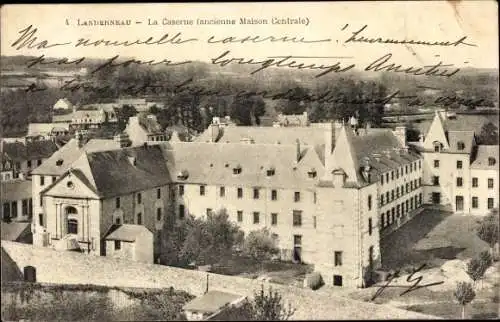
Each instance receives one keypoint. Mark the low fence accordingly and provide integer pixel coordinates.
(74, 268)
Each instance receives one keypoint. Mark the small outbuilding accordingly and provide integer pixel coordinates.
(132, 242)
(210, 303)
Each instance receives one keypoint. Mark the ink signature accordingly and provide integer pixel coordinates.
(410, 279)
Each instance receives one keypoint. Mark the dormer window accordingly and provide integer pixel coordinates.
(491, 161)
(237, 169)
(59, 162)
(183, 175)
(460, 145)
(312, 173)
(437, 146)
(270, 172)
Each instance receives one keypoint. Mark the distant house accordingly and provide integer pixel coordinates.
(212, 302)
(27, 156)
(144, 128)
(17, 231)
(292, 120)
(92, 119)
(133, 242)
(16, 200)
(46, 131)
(139, 104)
(63, 104)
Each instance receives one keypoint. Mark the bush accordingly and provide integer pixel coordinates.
(313, 281)
(260, 244)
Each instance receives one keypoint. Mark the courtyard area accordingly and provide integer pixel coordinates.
(444, 242)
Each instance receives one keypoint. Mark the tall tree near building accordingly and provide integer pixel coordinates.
(488, 230)
(124, 114)
(464, 293)
(488, 134)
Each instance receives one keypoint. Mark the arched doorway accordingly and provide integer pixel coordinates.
(71, 220)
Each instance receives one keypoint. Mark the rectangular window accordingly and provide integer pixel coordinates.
(475, 182)
(40, 219)
(387, 197)
(387, 177)
(14, 209)
(475, 202)
(158, 214)
(117, 201)
(38, 162)
(274, 195)
(158, 193)
(239, 214)
(139, 198)
(139, 218)
(459, 181)
(382, 200)
(314, 197)
(382, 179)
(420, 164)
(420, 199)
(369, 226)
(297, 218)
(29, 163)
(397, 192)
(181, 211)
(118, 245)
(370, 202)
(397, 173)
(202, 190)
(41, 201)
(459, 164)
(30, 208)
(314, 221)
(274, 219)
(297, 240)
(240, 193)
(392, 194)
(490, 183)
(406, 169)
(392, 175)
(181, 190)
(436, 163)
(398, 211)
(256, 217)
(338, 258)
(222, 191)
(435, 180)
(209, 211)
(42, 180)
(296, 197)
(407, 188)
(256, 193)
(54, 178)
(419, 182)
(25, 207)
(490, 203)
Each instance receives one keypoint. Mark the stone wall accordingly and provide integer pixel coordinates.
(75, 268)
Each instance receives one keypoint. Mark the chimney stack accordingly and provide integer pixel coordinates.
(400, 133)
(122, 139)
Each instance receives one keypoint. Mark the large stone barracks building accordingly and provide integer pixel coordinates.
(328, 194)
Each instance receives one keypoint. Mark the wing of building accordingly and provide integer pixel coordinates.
(328, 193)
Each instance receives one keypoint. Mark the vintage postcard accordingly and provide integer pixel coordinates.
(249, 161)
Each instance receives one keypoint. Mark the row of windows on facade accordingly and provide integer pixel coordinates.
(400, 191)
(438, 146)
(239, 193)
(138, 198)
(10, 208)
(491, 162)
(269, 172)
(395, 174)
(475, 202)
(389, 218)
(460, 182)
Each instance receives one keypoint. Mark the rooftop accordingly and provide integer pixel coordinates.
(211, 302)
(12, 231)
(18, 151)
(126, 232)
(15, 190)
(486, 157)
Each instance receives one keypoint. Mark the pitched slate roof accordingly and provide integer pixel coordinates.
(213, 163)
(12, 231)
(123, 171)
(211, 302)
(268, 135)
(381, 150)
(465, 137)
(483, 153)
(62, 159)
(15, 190)
(63, 118)
(19, 151)
(126, 232)
(35, 129)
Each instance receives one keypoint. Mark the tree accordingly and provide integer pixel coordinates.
(485, 260)
(488, 229)
(475, 270)
(124, 114)
(263, 307)
(488, 134)
(260, 244)
(247, 110)
(464, 294)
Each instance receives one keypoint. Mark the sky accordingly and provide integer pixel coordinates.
(422, 20)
